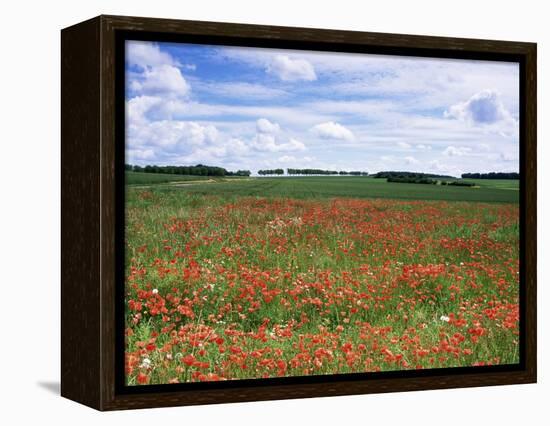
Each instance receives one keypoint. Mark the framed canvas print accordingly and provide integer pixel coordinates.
(255, 212)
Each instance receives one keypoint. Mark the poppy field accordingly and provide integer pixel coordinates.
(225, 284)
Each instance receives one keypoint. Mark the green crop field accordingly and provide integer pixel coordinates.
(510, 184)
(355, 187)
(140, 178)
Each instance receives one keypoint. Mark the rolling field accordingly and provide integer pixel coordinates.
(510, 184)
(301, 276)
(355, 187)
(140, 178)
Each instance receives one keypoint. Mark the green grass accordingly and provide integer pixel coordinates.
(507, 184)
(139, 178)
(355, 187)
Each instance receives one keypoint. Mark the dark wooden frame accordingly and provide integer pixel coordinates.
(89, 206)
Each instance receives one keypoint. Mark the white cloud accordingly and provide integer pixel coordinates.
(453, 151)
(137, 108)
(263, 125)
(294, 145)
(145, 54)
(135, 155)
(504, 156)
(403, 145)
(171, 136)
(332, 130)
(164, 79)
(289, 69)
(411, 160)
(287, 159)
(159, 73)
(484, 107)
(423, 147)
(237, 147)
(266, 142)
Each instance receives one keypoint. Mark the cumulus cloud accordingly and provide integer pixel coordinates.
(138, 107)
(289, 69)
(263, 125)
(453, 151)
(135, 155)
(332, 130)
(294, 145)
(172, 135)
(237, 147)
(164, 79)
(403, 145)
(268, 143)
(159, 73)
(484, 107)
(145, 54)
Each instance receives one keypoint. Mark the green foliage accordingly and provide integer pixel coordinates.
(491, 175)
(408, 175)
(422, 180)
(320, 172)
(198, 170)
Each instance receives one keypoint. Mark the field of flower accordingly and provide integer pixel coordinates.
(224, 285)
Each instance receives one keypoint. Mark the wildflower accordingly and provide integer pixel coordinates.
(145, 363)
(444, 318)
(142, 378)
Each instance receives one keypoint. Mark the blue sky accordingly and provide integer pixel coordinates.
(252, 108)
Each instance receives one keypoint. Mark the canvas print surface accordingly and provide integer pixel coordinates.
(297, 213)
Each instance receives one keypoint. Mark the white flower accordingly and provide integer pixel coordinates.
(146, 363)
(444, 318)
(155, 291)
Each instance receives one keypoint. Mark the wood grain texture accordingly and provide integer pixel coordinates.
(80, 213)
(529, 211)
(89, 202)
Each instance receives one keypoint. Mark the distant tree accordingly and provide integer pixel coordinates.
(491, 175)
(399, 174)
(412, 179)
(197, 170)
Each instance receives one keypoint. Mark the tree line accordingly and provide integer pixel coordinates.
(429, 181)
(198, 170)
(310, 172)
(491, 175)
(409, 175)
(270, 172)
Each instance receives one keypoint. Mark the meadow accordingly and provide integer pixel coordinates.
(140, 178)
(269, 277)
